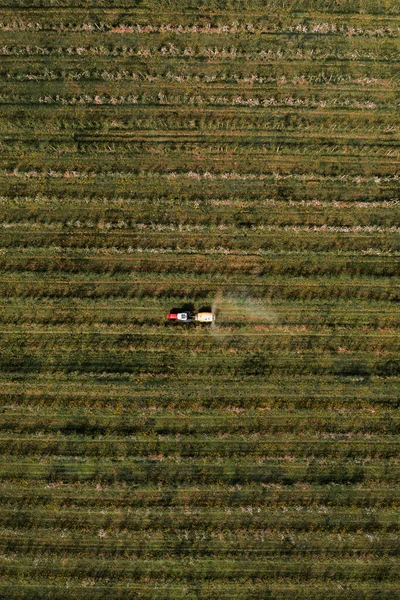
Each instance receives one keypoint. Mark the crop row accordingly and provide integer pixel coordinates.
(149, 141)
(203, 569)
(106, 22)
(221, 78)
(207, 520)
(130, 190)
(322, 422)
(272, 337)
(232, 471)
(299, 266)
(283, 74)
(223, 280)
(289, 391)
(360, 9)
(226, 391)
(181, 195)
(274, 239)
(377, 100)
(134, 213)
(100, 321)
(51, 120)
(87, 166)
(28, 363)
(246, 35)
(374, 496)
(239, 147)
(226, 48)
(199, 543)
(295, 312)
(298, 75)
(114, 317)
(172, 139)
(145, 178)
(105, 390)
(194, 590)
(282, 341)
(257, 447)
(272, 290)
(233, 327)
(282, 56)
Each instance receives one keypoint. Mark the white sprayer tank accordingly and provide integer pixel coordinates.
(204, 317)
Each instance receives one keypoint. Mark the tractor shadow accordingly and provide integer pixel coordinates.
(188, 307)
(205, 308)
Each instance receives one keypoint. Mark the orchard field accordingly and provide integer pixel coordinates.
(241, 155)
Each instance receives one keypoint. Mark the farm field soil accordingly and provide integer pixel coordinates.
(161, 155)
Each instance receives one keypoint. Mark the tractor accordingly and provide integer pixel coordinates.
(189, 317)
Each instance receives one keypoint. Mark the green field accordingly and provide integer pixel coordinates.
(241, 155)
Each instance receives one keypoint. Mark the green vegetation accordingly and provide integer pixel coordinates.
(241, 155)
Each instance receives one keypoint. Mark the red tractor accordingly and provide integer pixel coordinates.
(185, 317)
